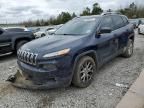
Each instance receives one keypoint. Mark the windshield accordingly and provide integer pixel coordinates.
(78, 26)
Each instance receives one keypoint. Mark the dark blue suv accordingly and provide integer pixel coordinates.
(74, 53)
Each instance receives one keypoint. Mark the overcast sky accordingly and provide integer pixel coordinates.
(21, 10)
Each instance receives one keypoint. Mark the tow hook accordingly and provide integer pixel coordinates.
(11, 78)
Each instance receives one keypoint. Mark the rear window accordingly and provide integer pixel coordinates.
(118, 21)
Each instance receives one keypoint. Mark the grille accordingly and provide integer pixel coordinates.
(27, 57)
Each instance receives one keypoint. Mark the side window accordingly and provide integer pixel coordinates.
(107, 22)
(118, 21)
(125, 20)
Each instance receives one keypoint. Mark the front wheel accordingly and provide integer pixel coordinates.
(84, 72)
(128, 50)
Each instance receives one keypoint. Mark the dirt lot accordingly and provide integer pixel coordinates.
(102, 93)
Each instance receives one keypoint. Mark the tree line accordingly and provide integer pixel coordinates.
(131, 11)
(63, 17)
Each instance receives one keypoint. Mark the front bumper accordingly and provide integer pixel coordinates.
(33, 77)
(20, 81)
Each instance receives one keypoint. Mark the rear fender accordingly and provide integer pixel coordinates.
(15, 40)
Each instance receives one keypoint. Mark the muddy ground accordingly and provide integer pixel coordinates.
(102, 93)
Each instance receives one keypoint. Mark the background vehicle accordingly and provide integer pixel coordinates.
(74, 53)
(34, 30)
(141, 27)
(43, 32)
(135, 22)
(52, 31)
(16, 29)
(12, 40)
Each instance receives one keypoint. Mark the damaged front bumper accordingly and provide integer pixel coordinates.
(46, 75)
(20, 81)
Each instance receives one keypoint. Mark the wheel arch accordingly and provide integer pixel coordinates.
(18, 40)
(91, 53)
(132, 37)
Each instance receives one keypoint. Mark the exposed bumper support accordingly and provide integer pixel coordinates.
(20, 81)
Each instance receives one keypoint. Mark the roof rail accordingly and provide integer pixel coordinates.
(109, 13)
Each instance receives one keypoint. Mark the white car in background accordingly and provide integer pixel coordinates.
(52, 31)
(43, 32)
(141, 27)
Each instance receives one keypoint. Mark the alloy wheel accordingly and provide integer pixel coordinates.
(86, 71)
(130, 49)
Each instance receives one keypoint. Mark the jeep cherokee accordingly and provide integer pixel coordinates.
(74, 53)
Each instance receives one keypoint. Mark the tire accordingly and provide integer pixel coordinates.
(20, 43)
(128, 51)
(84, 72)
(43, 35)
(139, 31)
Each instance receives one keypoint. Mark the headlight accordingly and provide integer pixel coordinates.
(58, 53)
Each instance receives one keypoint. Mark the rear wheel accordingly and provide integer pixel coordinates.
(128, 51)
(84, 72)
(20, 43)
(43, 35)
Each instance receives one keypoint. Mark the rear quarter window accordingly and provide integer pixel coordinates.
(125, 20)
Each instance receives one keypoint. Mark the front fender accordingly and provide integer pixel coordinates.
(77, 57)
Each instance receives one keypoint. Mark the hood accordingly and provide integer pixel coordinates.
(52, 43)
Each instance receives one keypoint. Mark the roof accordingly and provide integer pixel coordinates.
(103, 14)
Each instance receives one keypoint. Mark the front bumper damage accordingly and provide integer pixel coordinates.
(20, 81)
(48, 74)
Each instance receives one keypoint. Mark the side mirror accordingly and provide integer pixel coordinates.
(105, 30)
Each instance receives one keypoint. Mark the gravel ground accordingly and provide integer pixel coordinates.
(102, 93)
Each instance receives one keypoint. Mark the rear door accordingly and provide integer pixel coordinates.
(5, 42)
(121, 31)
(107, 45)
